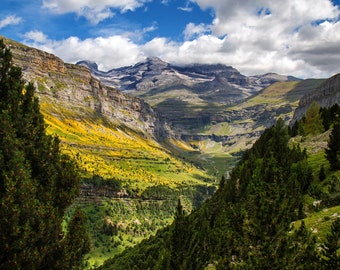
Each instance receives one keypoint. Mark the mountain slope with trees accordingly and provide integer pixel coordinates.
(37, 183)
(130, 164)
(251, 221)
(128, 155)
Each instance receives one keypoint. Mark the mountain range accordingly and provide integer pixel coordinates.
(217, 82)
(214, 104)
(188, 96)
(161, 131)
(214, 109)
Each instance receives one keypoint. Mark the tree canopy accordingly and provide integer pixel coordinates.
(37, 181)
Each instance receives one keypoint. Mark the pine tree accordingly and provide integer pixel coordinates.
(301, 251)
(177, 238)
(333, 150)
(17, 203)
(331, 257)
(222, 182)
(76, 243)
(37, 182)
(322, 174)
(313, 120)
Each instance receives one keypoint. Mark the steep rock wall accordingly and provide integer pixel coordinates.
(326, 95)
(74, 85)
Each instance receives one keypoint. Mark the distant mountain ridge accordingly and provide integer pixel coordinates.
(190, 96)
(215, 103)
(217, 83)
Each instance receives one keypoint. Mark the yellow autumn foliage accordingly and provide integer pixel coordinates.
(111, 151)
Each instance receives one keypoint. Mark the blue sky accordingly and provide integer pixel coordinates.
(295, 37)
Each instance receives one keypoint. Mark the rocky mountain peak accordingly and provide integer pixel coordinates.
(207, 69)
(270, 78)
(153, 60)
(89, 64)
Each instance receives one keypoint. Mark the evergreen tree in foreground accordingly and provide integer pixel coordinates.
(177, 237)
(333, 150)
(37, 182)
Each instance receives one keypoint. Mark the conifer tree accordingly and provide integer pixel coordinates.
(222, 182)
(75, 244)
(37, 182)
(331, 257)
(322, 174)
(177, 238)
(313, 120)
(333, 150)
(301, 252)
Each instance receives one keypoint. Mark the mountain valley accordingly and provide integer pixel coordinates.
(147, 135)
(118, 142)
(215, 108)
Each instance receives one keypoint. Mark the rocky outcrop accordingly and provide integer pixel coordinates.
(74, 85)
(225, 140)
(269, 78)
(326, 95)
(95, 194)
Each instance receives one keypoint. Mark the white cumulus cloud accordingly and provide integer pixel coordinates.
(36, 36)
(285, 37)
(110, 52)
(94, 11)
(294, 37)
(10, 20)
(192, 30)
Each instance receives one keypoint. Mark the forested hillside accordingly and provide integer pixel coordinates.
(37, 184)
(257, 218)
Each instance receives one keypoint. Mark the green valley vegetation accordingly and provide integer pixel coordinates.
(118, 223)
(37, 184)
(279, 206)
(265, 216)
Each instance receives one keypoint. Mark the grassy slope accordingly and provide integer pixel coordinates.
(110, 151)
(319, 218)
(281, 93)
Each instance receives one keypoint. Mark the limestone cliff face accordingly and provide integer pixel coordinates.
(74, 86)
(326, 95)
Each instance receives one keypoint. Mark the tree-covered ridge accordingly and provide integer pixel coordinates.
(37, 183)
(247, 224)
(316, 120)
